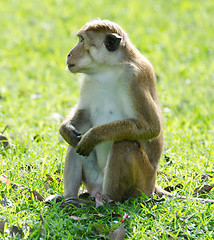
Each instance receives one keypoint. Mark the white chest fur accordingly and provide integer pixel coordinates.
(106, 98)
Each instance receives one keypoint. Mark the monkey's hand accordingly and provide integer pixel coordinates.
(70, 134)
(86, 144)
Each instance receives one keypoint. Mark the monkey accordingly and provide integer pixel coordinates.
(115, 131)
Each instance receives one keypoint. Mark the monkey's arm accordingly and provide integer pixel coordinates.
(72, 126)
(146, 125)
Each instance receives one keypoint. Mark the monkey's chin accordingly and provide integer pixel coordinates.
(72, 68)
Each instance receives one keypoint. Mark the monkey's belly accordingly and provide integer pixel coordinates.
(106, 106)
(106, 114)
(102, 151)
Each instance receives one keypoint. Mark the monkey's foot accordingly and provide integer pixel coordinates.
(71, 202)
(53, 198)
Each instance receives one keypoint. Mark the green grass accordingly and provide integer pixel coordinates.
(177, 37)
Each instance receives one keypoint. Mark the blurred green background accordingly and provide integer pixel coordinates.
(36, 92)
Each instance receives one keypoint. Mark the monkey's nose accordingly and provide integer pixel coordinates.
(69, 54)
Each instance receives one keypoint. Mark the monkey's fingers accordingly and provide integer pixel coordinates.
(78, 138)
(83, 151)
(77, 134)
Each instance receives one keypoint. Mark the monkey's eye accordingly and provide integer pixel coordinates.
(81, 39)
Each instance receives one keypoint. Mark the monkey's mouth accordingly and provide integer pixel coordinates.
(71, 65)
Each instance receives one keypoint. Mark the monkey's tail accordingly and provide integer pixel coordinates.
(161, 192)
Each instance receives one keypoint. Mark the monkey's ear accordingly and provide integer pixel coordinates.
(112, 42)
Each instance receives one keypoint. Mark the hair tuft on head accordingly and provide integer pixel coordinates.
(103, 25)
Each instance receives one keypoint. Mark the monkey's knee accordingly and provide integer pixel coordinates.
(129, 171)
(121, 173)
(126, 147)
(126, 143)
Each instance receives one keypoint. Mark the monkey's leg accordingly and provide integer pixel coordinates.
(128, 172)
(92, 176)
(72, 173)
(77, 169)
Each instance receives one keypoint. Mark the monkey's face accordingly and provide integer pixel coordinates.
(95, 51)
(78, 59)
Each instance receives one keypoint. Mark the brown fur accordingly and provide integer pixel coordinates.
(130, 165)
(102, 25)
(133, 159)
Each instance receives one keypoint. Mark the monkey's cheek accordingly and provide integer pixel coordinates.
(84, 61)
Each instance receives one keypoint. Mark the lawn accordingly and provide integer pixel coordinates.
(36, 93)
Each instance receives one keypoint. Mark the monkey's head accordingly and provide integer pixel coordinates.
(101, 45)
